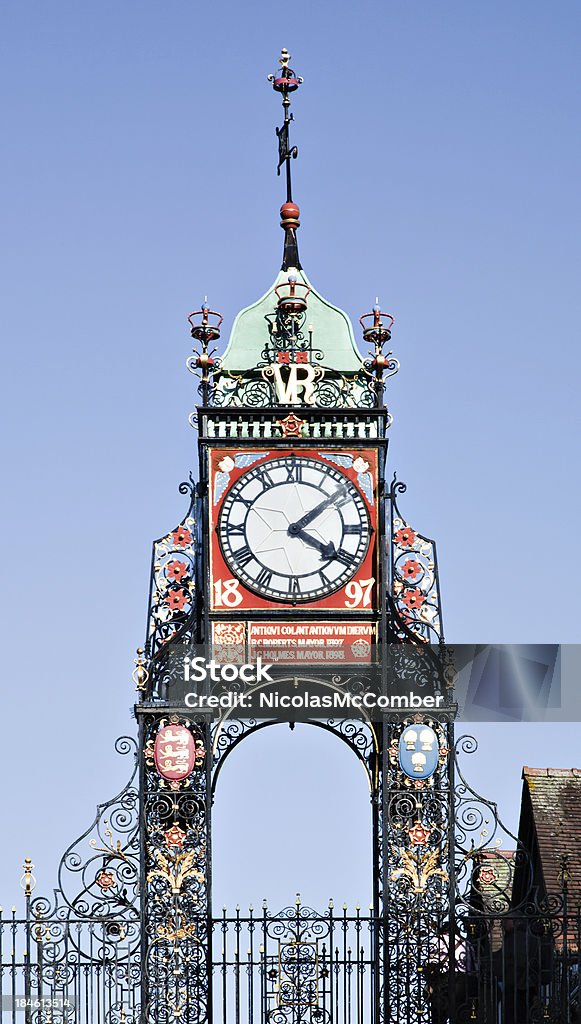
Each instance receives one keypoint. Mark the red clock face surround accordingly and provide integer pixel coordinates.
(293, 528)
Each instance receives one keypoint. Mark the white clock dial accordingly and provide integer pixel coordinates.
(294, 529)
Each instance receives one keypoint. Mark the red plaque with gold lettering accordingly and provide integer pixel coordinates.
(293, 529)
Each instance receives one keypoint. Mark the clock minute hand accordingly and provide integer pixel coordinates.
(327, 550)
(294, 528)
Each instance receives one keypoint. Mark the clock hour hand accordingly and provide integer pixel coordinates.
(295, 528)
(327, 550)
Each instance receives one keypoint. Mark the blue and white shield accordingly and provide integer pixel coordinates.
(418, 751)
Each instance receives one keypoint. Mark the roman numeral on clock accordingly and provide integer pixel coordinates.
(297, 511)
(324, 579)
(265, 478)
(243, 555)
(344, 557)
(294, 473)
(235, 530)
(264, 577)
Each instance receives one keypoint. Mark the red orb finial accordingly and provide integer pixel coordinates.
(289, 215)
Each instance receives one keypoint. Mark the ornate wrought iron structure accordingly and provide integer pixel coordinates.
(289, 343)
(444, 941)
(131, 934)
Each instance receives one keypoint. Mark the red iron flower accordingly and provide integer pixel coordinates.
(284, 357)
(177, 570)
(405, 537)
(181, 537)
(486, 876)
(413, 599)
(419, 834)
(411, 569)
(174, 837)
(176, 599)
(302, 357)
(105, 879)
(291, 426)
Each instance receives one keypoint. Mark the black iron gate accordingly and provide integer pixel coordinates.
(300, 966)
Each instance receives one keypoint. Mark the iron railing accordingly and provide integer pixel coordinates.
(302, 967)
(66, 971)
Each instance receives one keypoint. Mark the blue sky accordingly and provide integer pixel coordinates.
(438, 168)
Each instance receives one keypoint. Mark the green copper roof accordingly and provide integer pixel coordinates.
(332, 332)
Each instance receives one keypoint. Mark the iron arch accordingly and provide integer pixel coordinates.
(357, 734)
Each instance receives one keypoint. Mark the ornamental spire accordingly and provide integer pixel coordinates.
(285, 81)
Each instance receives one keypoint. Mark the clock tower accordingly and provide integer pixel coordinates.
(293, 551)
(293, 589)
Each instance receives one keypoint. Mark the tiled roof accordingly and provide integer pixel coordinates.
(555, 800)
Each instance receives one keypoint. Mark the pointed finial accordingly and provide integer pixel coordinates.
(140, 674)
(285, 81)
(28, 881)
(205, 328)
(289, 222)
(377, 331)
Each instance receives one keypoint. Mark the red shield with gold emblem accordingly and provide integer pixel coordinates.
(174, 752)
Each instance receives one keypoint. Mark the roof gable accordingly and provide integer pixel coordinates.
(331, 327)
(552, 816)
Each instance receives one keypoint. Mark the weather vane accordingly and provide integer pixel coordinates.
(285, 81)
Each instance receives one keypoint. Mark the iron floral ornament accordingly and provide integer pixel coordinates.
(414, 574)
(176, 869)
(172, 583)
(417, 868)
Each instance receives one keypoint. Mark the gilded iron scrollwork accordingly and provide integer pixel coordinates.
(299, 966)
(98, 875)
(257, 388)
(176, 870)
(487, 853)
(88, 934)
